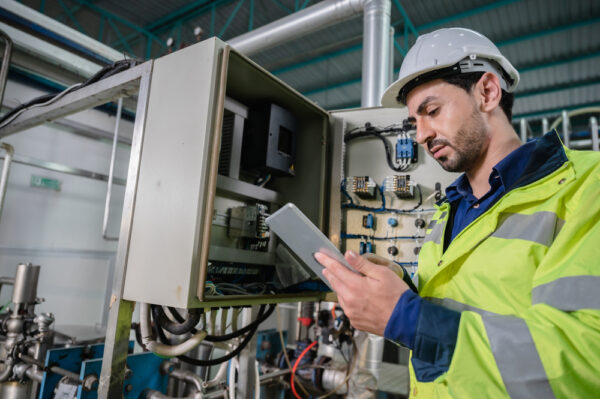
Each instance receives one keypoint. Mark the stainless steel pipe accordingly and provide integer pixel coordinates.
(376, 44)
(376, 37)
(565, 128)
(296, 25)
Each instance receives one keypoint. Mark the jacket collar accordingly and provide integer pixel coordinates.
(547, 156)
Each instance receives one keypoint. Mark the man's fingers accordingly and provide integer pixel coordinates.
(339, 271)
(362, 265)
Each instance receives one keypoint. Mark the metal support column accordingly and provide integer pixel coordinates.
(524, 127)
(545, 126)
(247, 358)
(121, 311)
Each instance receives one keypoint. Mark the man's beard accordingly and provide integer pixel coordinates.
(468, 146)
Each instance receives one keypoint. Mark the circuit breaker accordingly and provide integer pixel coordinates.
(204, 187)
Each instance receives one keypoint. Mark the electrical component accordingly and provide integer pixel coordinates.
(362, 187)
(248, 223)
(400, 186)
(406, 150)
(419, 223)
(366, 247)
(270, 140)
(232, 135)
(392, 250)
(393, 222)
(368, 221)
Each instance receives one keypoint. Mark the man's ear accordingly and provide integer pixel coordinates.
(488, 92)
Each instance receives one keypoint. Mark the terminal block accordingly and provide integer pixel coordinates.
(406, 150)
(399, 186)
(248, 223)
(362, 187)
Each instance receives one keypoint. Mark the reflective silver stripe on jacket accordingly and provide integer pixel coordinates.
(540, 227)
(516, 357)
(569, 293)
(457, 306)
(437, 229)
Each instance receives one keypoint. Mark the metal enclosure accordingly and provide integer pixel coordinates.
(179, 196)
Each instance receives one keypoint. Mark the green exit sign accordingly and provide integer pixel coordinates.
(45, 182)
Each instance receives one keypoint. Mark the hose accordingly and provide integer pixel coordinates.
(182, 326)
(152, 345)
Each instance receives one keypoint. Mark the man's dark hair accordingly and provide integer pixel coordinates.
(466, 81)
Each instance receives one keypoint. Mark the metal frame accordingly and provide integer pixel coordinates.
(125, 83)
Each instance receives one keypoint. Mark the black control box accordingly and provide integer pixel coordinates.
(270, 140)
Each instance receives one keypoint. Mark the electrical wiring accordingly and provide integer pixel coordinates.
(47, 99)
(383, 208)
(304, 352)
(285, 354)
(237, 333)
(372, 131)
(236, 351)
(373, 238)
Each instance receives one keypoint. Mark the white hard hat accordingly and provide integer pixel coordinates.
(447, 52)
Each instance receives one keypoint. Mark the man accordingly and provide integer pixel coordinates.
(508, 303)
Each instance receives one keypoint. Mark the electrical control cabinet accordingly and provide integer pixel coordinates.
(197, 237)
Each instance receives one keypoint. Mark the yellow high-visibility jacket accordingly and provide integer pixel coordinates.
(525, 276)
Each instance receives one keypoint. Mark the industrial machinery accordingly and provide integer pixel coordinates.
(213, 154)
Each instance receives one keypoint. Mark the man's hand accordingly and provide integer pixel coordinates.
(367, 300)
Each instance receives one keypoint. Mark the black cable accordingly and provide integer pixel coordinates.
(106, 71)
(236, 351)
(388, 150)
(182, 326)
(226, 337)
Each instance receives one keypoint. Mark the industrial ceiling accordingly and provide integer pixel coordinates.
(555, 44)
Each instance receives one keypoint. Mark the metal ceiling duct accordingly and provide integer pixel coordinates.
(376, 39)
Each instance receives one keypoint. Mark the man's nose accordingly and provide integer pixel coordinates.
(424, 133)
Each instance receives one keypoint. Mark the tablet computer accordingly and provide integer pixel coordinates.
(303, 238)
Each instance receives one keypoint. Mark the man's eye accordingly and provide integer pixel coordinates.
(433, 112)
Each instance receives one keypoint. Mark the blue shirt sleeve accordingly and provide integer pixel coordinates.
(402, 325)
(430, 330)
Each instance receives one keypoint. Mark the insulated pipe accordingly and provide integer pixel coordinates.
(5, 63)
(162, 349)
(300, 23)
(391, 68)
(376, 44)
(376, 39)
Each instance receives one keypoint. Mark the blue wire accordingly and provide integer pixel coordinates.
(366, 237)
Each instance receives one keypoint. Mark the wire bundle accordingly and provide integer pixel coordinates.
(372, 131)
(47, 99)
(185, 326)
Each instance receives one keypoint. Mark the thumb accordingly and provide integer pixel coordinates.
(362, 265)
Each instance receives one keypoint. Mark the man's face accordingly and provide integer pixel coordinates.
(449, 126)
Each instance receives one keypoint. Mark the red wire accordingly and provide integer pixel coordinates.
(296, 366)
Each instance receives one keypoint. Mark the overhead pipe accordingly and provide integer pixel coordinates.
(376, 44)
(376, 39)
